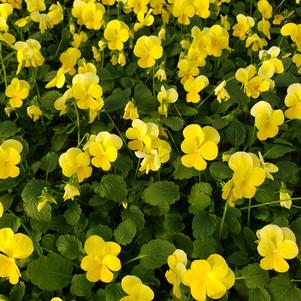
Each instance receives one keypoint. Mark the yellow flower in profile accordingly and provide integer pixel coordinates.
(296, 59)
(78, 39)
(267, 120)
(103, 149)
(276, 244)
(58, 81)
(146, 20)
(45, 198)
(75, 162)
(177, 267)
(255, 42)
(136, 290)
(35, 5)
(28, 54)
(9, 157)
(199, 144)
(294, 31)
(265, 8)
(130, 111)
(116, 33)
(166, 97)
(284, 197)
(243, 26)
(55, 14)
(34, 112)
(69, 59)
(277, 19)
(12, 247)
(293, 101)
(101, 259)
(211, 277)
(194, 86)
(17, 91)
(161, 74)
(264, 26)
(268, 168)
(5, 10)
(148, 49)
(70, 192)
(270, 62)
(1, 209)
(221, 93)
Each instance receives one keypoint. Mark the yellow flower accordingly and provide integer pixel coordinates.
(8, 38)
(183, 10)
(28, 54)
(101, 260)
(271, 64)
(130, 111)
(296, 59)
(45, 198)
(69, 59)
(243, 26)
(276, 244)
(294, 31)
(221, 93)
(56, 299)
(160, 74)
(79, 38)
(194, 86)
(177, 267)
(147, 20)
(42, 19)
(1, 209)
(34, 112)
(166, 97)
(267, 120)
(293, 102)
(58, 81)
(202, 8)
(70, 192)
(14, 3)
(255, 42)
(278, 19)
(5, 10)
(265, 8)
(199, 144)
(264, 26)
(284, 197)
(23, 21)
(75, 162)
(148, 49)
(35, 5)
(116, 33)
(17, 90)
(55, 14)
(9, 157)
(187, 70)
(60, 103)
(136, 290)
(211, 277)
(267, 167)
(103, 147)
(12, 247)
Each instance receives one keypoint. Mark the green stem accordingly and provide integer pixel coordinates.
(78, 124)
(249, 213)
(178, 112)
(223, 219)
(240, 278)
(295, 280)
(3, 66)
(172, 139)
(134, 259)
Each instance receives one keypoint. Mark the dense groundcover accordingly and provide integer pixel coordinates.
(150, 150)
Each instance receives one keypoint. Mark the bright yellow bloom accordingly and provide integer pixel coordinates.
(5, 10)
(75, 162)
(28, 54)
(137, 6)
(264, 26)
(60, 103)
(146, 20)
(34, 112)
(14, 3)
(271, 64)
(101, 260)
(160, 74)
(211, 277)
(9, 157)
(45, 198)
(70, 192)
(285, 197)
(69, 59)
(103, 147)
(35, 5)
(23, 21)
(17, 91)
(243, 26)
(12, 247)
(56, 299)
(1, 209)
(267, 120)
(265, 8)
(55, 14)
(7, 38)
(202, 8)
(199, 144)
(294, 31)
(130, 111)
(183, 10)
(293, 102)
(276, 244)
(58, 81)
(116, 33)
(221, 93)
(42, 19)
(136, 290)
(268, 168)
(148, 49)
(177, 267)
(296, 59)
(187, 70)
(278, 19)
(79, 38)
(166, 97)
(194, 86)
(255, 42)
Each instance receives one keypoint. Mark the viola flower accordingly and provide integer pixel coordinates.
(75, 162)
(103, 149)
(296, 59)
(264, 26)
(221, 93)
(294, 31)
(177, 267)
(5, 10)
(70, 192)
(130, 111)
(255, 42)
(269, 168)
(217, 40)
(276, 244)
(285, 197)
(187, 70)
(199, 144)
(12, 247)
(267, 120)
(55, 14)
(69, 59)
(243, 26)
(146, 20)
(116, 33)
(101, 259)
(17, 91)
(293, 101)
(35, 5)
(183, 10)
(194, 86)
(211, 277)
(271, 64)
(45, 198)
(265, 8)
(9, 157)
(166, 97)
(160, 74)
(136, 290)
(1, 209)
(148, 50)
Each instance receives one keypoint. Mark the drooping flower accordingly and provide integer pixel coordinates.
(243, 26)
(166, 97)
(294, 31)
(12, 247)
(211, 277)
(70, 192)
(101, 259)
(285, 197)
(293, 101)
(17, 91)
(130, 111)
(276, 244)
(199, 145)
(34, 112)
(221, 93)
(45, 198)
(5, 10)
(265, 8)
(136, 290)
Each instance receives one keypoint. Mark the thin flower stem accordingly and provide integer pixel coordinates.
(3, 66)
(223, 219)
(178, 112)
(296, 280)
(249, 213)
(240, 278)
(78, 124)
(134, 259)
(268, 203)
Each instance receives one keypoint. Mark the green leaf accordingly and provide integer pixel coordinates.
(174, 123)
(236, 133)
(203, 225)
(48, 98)
(154, 253)
(161, 193)
(282, 289)
(255, 276)
(50, 272)
(259, 294)
(80, 286)
(200, 197)
(125, 232)
(144, 98)
(72, 214)
(112, 187)
(220, 171)
(7, 184)
(203, 248)
(17, 292)
(31, 209)
(9, 220)
(173, 222)
(69, 246)
(236, 93)
(285, 79)
(117, 100)
(7, 129)
(49, 162)
(181, 172)
(33, 190)
(277, 151)
(101, 230)
(136, 215)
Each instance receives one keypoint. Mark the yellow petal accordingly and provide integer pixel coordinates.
(22, 246)
(94, 245)
(112, 262)
(129, 282)
(209, 150)
(288, 249)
